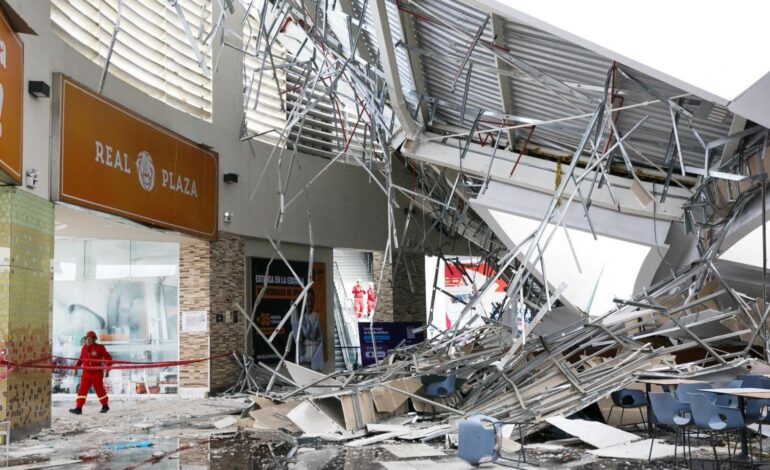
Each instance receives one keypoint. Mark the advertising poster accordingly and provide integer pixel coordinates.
(458, 280)
(387, 336)
(282, 290)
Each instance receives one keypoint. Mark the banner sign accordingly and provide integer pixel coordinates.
(114, 161)
(282, 290)
(11, 100)
(387, 336)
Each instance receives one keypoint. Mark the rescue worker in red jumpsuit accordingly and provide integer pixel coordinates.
(358, 298)
(370, 300)
(93, 355)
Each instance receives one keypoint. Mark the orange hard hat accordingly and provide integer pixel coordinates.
(90, 334)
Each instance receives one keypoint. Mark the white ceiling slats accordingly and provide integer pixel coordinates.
(326, 127)
(151, 50)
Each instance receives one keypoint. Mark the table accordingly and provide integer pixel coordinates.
(760, 393)
(742, 394)
(668, 381)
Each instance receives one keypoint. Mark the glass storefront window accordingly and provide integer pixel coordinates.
(127, 292)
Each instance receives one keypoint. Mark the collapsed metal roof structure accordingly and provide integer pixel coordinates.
(458, 98)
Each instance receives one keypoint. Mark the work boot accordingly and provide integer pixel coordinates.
(104, 409)
(76, 411)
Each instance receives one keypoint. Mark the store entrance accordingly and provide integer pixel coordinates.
(127, 292)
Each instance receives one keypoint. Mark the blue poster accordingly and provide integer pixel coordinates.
(387, 336)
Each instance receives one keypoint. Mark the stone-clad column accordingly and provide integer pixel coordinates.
(212, 278)
(194, 295)
(26, 290)
(397, 301)
(409, 298)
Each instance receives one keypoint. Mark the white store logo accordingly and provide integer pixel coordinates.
(146, 170)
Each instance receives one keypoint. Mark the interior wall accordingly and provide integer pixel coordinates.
(341, 202)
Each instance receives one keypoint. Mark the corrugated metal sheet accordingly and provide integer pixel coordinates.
(483, 89)
(441, 49)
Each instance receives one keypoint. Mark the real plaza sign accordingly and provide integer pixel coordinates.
(115, 161)
(11, 100)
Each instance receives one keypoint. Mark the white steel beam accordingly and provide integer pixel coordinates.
(539, 175)
(390, 67)
(410, 38)
(503, 80)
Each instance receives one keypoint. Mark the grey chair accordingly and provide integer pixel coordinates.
(668, 411)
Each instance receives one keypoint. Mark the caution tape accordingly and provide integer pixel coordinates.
(108, 365)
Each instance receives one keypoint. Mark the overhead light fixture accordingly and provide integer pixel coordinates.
(38, 89)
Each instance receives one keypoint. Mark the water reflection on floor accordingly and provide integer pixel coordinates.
(251, 450)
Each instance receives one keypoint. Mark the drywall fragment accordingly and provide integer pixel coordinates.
(387, 400)
(311, 420)
(374, 439)
(303, 376)
(274, 417)
(594, 433)
(413, 451)
(636, 450)
(225, 422)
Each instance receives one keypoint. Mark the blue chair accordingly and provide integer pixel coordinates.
(668, 411)
(714, 418)
(478, 443)
(627, 398)
(755, 406)
(722, 399)
(443, 388)
(756, 410)
(683, 391)
(754, 381)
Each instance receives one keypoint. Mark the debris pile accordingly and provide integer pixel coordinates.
(335, 75)
(529, 378)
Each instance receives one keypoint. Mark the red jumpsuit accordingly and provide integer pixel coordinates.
(369, 301)
(95, 355)
(358, 299)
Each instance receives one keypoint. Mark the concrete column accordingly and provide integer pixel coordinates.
(26, 290)
(212, 278)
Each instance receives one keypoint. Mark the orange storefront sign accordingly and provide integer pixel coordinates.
(117, 162)
(11, 99)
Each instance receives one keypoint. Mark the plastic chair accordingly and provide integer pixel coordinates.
(722, 399)
(667, 410)
(754, 381)
(627, 398)
(443, 388)
(478, 443)
(756, 410)
(714, 418)
(683, 391)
